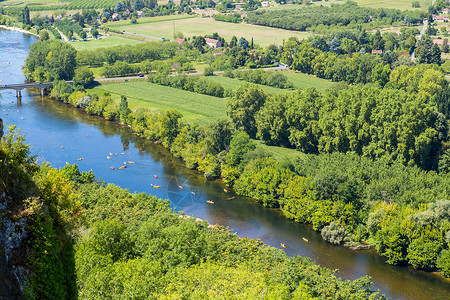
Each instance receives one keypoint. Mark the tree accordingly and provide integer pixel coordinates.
(423, 252)
(119, 7)
(219, 135)
(240, 145)
(43, 35)
(243, 43)
(83, 76)
(26, 16)
(233, 42)
(94, 32)
(57, 60)
(138, 5)
(199, 42)
(243, 106)
(435, 55)
(124, 110)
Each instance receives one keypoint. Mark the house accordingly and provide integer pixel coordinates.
(213, 43)
(377, 51)
(438, 42)
(238, 6)
(218, 53)
(441, 18)
(446, 10)
(265, 4)
(179, 41)
(141, 14)
(115, 17)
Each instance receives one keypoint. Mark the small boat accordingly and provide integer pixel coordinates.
(225, 190)
(155, 176)
(231, 198)
(108, 157)
(80, 159)
(283, 245)
(131, 162)
(120, 168)
(62, 147)
(111, 154)
(85, 135)
(156, 186)
(210, 201)
(305, 239)
(124, 162)
(192, 193)
(180, 187)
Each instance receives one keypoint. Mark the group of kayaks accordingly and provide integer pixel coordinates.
(303, 238)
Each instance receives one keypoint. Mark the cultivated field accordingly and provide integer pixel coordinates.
(106, 41)
(164, 27)
(233, 83)
(193, 106)
(303, 81)
(397, 4)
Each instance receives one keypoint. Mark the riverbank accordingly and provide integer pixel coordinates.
(18, 30)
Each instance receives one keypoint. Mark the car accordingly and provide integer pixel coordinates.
(141, 75)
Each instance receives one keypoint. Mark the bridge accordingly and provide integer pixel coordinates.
(19, 87)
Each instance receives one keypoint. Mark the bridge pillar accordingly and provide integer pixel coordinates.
(42, 91)
(19, 101)
(19, 93)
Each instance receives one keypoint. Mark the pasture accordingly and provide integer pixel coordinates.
(106, 41)
(164, 27)
(143, 94)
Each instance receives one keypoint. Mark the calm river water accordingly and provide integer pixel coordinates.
(50, 125)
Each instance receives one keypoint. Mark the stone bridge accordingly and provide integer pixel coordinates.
(19, 87)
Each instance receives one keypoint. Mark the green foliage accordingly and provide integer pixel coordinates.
(333, 233)
(423, 252)
(54, 58)
(321, 18)
(443, 263)
(83, 76)
(243, 106)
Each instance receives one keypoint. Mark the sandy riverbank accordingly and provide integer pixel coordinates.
(17, 29)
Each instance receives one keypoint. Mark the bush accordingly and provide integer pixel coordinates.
(209, 71)
(333, 233)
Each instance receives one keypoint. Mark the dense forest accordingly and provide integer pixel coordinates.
(336, 17)
(88, 239)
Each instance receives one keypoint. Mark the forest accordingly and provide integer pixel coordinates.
(88, 239)
(337, 17)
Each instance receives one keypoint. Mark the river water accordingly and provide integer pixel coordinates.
(59, 133)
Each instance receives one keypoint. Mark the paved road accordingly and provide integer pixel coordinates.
(424, 29)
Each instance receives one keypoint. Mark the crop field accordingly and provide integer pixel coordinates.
(106, 41)
(232, 83)
(193, 106)
(303, 81)
(164, 27)
(58, 4)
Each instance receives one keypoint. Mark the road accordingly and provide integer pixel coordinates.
(424, 29)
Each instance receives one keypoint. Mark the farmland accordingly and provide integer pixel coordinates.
(164, 27)
(193, 106)
(108, 41)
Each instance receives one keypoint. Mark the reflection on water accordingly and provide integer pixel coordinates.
(60, 134)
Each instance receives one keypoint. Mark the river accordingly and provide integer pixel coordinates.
(59, 133)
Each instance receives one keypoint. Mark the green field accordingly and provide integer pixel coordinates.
(300, 81)
(164, 27)
(193, 106)
(232, 83)
(397, 4)
(106, 41)
(279, 153)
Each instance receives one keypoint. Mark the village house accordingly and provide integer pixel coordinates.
(115, 17)
(441, 18)
(213, 43)
(238, 6)
(377, 51)
(265, 4)
(179, 41)
(446, 10)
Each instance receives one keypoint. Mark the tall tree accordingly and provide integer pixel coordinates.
(244, 105)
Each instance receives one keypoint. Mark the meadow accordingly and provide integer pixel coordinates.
(164, 27)
(106, 41)
(143, 94)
